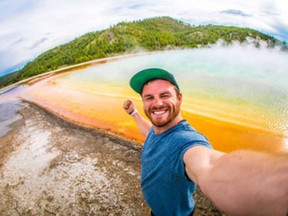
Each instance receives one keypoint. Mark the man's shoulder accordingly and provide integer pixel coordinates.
(186, 130)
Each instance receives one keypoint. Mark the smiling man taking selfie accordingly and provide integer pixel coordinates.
(175, 158)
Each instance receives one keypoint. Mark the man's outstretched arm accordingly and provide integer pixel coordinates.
(143, 124)
(241, 182)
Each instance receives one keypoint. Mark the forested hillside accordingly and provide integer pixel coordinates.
(126, 37)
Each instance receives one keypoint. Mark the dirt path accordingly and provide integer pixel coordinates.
(51, 167)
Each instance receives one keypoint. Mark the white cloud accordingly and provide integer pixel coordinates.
(31, 27)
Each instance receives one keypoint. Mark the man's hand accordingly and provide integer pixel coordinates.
(128, 106)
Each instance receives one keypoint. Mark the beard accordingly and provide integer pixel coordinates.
(171, 112)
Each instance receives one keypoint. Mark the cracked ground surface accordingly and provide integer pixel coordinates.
(51, 167)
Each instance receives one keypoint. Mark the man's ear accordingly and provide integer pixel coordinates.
(180, 97)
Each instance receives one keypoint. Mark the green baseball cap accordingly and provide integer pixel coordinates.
(142, 77)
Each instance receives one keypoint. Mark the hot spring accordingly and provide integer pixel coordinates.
(236, 96)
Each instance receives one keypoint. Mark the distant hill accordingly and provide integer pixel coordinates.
(153, 34)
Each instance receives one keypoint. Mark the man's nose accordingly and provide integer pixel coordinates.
(158, 102)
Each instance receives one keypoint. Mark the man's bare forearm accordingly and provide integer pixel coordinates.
(248, 183)
(143, 124)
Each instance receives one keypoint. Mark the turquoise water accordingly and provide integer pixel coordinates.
(241, 84)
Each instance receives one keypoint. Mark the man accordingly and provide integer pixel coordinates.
(175, 158)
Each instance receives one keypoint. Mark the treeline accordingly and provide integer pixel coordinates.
(126, 37)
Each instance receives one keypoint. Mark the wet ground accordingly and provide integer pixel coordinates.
(51, 167)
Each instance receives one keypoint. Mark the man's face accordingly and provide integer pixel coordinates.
(161, 103)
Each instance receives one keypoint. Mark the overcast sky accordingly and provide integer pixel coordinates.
(30, 27)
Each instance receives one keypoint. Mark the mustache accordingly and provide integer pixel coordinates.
(158, 107)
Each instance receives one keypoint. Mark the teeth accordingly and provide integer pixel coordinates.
(159, 112)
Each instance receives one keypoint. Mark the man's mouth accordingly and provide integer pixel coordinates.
(159, 112)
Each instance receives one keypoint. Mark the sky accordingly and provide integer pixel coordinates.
(31, 27)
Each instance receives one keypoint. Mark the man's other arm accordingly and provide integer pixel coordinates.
(143, 124)
(241, 182)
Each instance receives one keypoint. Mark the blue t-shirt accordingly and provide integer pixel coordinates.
(165, 185)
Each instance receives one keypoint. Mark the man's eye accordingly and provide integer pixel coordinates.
(165, 96)
(148, 98)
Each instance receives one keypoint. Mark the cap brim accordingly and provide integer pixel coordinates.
(141, 78)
